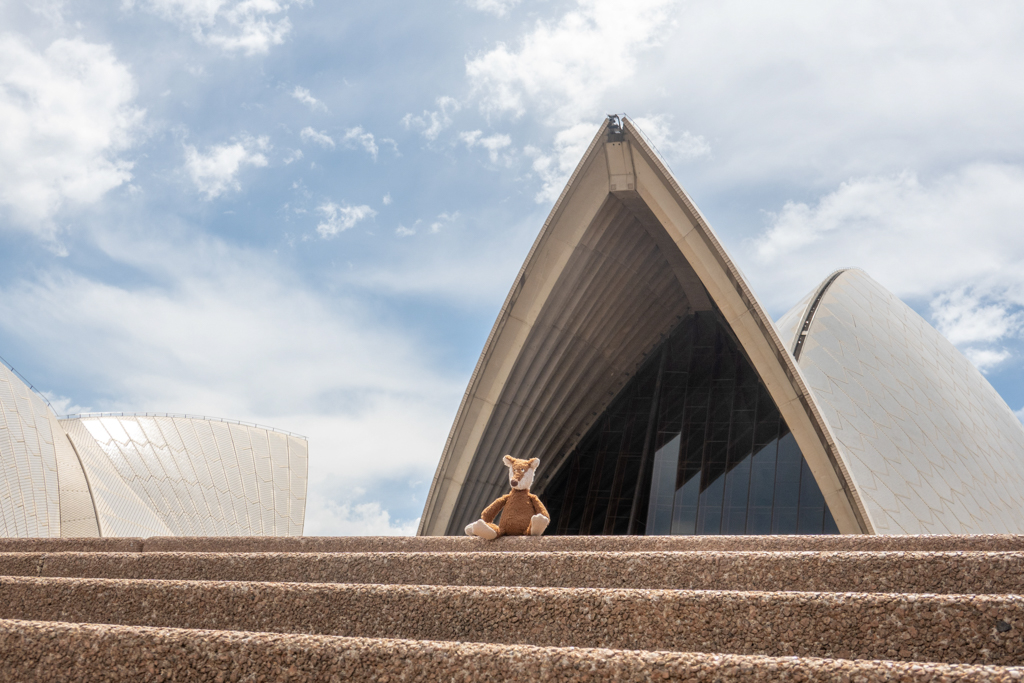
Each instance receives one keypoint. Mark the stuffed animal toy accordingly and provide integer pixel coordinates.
(522, 513)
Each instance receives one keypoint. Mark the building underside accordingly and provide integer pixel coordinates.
(633, 359)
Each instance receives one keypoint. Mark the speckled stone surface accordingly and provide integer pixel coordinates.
(583, 543)
(58, 652)
(83, 545)
(885, 572)
(941, 628)
(365, 544)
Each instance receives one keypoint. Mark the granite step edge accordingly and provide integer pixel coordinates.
(942, 628)
(58, 651)
(954, 572)
(990, 542)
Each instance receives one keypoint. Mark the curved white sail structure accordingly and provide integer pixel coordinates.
(929, 444)
(143, 475)
(632, 357)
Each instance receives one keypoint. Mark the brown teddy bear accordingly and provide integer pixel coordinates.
(522, 513)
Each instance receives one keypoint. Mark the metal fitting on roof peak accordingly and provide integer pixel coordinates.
(615, 133)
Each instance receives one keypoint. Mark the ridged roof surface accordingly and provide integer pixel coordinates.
(184, 476)
(929, 444)
(143, 475)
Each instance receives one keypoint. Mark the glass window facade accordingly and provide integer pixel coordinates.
(693, 444)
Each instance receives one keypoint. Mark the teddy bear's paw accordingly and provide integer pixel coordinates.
(469, 530)
(483, 530)
(538, 523)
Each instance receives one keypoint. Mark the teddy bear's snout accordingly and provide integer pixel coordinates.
(515, 482)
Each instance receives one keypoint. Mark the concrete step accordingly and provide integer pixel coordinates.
(937, 543)
(55, 651)
(968, 629)
(876, 572)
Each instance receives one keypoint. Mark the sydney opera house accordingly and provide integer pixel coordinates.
(143, 475)
(632, 358)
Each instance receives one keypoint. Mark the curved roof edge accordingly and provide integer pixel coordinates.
(812, 307)
(46, 492)
(932, 447)
(634, 174)
(208, 418)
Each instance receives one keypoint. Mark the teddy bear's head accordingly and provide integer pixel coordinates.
(520, 472)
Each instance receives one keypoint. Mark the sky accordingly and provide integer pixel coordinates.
(307, 214)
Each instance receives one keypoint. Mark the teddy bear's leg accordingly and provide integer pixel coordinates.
(538, 523)
(483, 530)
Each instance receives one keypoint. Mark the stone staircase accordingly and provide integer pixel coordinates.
(839, 608)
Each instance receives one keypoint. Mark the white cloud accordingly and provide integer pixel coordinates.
(986, 359)
(326, 517)
(969, 321)
(920, 239)
(403, 231)
(497, 7)
(955, 243)
(565, 67)
(387, 199)
(431, 123)
(304, 96)
(66, 114)
(673, 146)
(216, 171)
(249, 26)
(341, 217)
(443, 219)
(227, 332)
(358, 136)
(52, 11)
(555, 167)
(492, 143)
(62, 405)
(293, 156)
(816, 93)
(323, 139)
(962, 317)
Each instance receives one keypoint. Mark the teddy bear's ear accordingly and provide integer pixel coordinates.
(534, 463)
(508, 459)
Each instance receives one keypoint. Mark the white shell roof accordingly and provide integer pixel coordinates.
(188, 476)
(29, 499)
(928, 443)
(143, 475)
(623, 255)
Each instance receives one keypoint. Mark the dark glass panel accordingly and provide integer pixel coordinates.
(670, 406)
(684, 513)
(787, 486)
(709, 509)
(734, 510)
(709, 454)
(812, 503)
(663, 488)
(584, 461)
(767, 428)
(829, 527)
(762, 488)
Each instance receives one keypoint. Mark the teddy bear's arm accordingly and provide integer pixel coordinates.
(538, 507)
(492, 510)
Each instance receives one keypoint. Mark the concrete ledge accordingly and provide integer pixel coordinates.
(951, 629)
(52, 652)
(875, 572)
(364, 544)
(368, 544)
(82, 545)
